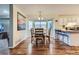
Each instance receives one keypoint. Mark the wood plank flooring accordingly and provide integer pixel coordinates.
(54, 48)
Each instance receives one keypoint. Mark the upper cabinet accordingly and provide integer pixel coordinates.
(4, 11)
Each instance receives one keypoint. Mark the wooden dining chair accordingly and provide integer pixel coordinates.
(48, 35)
(39, 35)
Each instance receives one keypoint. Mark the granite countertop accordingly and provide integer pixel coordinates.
(71, 31)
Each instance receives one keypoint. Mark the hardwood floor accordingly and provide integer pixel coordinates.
(54, 48)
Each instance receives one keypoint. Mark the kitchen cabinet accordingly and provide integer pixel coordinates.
(70, 37)
(66, 38)
(63, 36)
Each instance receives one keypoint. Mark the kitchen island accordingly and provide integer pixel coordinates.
(70, 37)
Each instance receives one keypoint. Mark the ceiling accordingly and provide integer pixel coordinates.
(49, 10)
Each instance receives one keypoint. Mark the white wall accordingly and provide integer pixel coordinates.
(64, 19)
(18, 36)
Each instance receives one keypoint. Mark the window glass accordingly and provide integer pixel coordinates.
(37, 24)
(49, 24)
(30, 24)
(43, 25)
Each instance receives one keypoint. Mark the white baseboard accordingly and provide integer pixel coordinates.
(17, 44)
(10, 47)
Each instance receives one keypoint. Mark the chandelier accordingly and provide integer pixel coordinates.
(40, 17)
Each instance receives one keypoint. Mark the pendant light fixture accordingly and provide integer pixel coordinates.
(40, 17)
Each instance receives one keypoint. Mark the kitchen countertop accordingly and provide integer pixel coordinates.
(70, 31)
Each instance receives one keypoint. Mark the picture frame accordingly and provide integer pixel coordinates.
(21, 22)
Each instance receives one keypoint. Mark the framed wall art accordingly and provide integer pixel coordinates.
(21, 22)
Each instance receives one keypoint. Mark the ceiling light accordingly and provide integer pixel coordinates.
(40, 17)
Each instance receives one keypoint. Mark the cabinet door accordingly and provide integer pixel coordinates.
(69, 41)
(65, 39)
(60, 37)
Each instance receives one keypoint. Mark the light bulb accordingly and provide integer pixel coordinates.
(39, 18)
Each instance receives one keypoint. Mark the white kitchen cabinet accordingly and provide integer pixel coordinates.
(64, 37)
(71, 37)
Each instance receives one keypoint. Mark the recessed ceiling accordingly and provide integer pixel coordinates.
(49, 10)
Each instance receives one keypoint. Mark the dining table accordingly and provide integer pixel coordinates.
(40, 35)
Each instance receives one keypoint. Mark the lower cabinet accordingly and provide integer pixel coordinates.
(69, 41)
(64, 38)
(60, 37)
